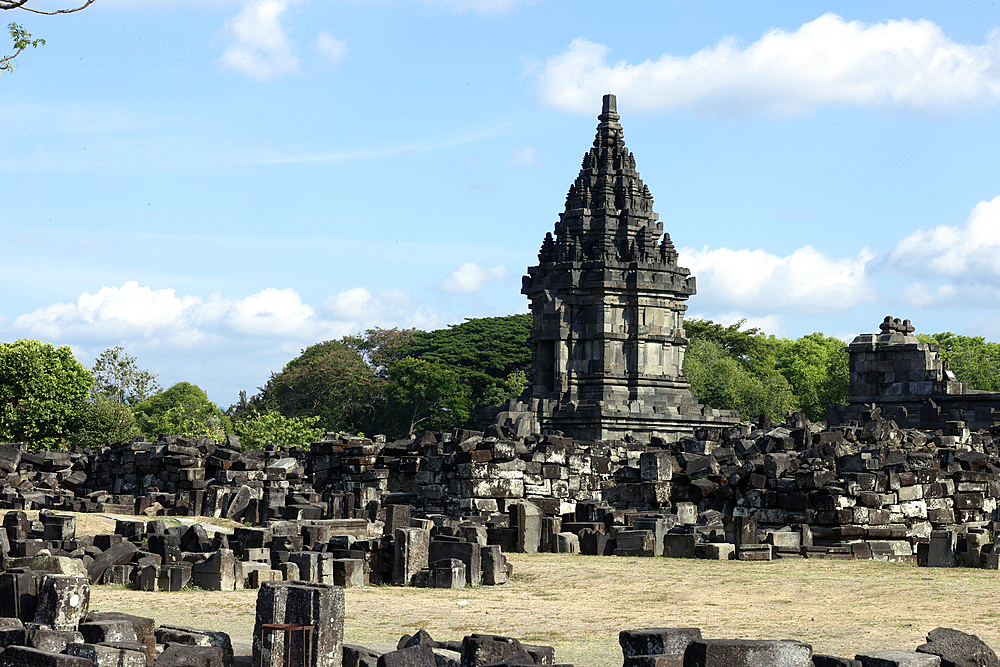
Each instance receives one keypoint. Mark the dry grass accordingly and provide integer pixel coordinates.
(579, 603)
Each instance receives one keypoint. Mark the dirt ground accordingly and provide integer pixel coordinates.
(579, 603)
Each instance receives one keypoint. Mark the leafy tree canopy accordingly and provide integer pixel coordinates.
(491, 354)
(721, 380)
(329, 380)
(974, 360)
(427, 395)
(755, 373)
(381, 347)
(117, 376)
(184, 409)
(271, 427)
(103, 421)
(816, 366)
(42, 390)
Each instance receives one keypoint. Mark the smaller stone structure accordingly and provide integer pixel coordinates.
(910, 383)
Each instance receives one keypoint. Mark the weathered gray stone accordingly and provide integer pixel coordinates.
(187, 655)
(657, 641)
(447, 573)
(25, 656)
(419, 655)
(412, 546)
(958, 649)
(62, 601)
(479, 649)
(529, 527)
(300, 603)
(176, 635)
(118, 554)
(747, 653)
(897, 659)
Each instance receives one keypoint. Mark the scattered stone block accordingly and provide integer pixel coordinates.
(26, 656)
(62, 601)
(958, 649)
(412, 547)
(897, 659)
(747, 653)
(300, 603)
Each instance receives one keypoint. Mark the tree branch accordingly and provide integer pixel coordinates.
(20, 4)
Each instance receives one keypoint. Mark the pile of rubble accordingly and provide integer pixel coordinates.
(865, 489)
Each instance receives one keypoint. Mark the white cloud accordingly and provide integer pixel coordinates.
(352, 304)
(259, 46)
(525, 156)
(920, 295)
(272, 312)
(275, 317)
(478, 6)
(470, 278)
(968, 252)
(805, 281)
(361, 309)
(129, 310)
(334, 50)
(898, 65)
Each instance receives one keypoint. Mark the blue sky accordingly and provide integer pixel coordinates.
(216, 185)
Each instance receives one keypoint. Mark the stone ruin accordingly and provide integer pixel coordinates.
(298, 623)
(608, 300)
(910, 383)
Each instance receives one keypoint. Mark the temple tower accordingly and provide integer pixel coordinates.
(608, 300)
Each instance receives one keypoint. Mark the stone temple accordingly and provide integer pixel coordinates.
(608, 301)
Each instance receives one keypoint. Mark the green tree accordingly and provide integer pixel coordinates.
(974, 360)
(427, 394)
(184, 409)
(42, 390)
(738, 371)
(274, 428)
(118, 377)
(381, 347)
(102, 421)
(329, 380)
(486, 353)
(816, 366)
(719, 379)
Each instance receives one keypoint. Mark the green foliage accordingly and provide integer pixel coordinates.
(329, 380)
(427, 394)
(103, 421)
(22, 40)
(722, 381)
(381, 347)
(274, 428)
(184, 409)
(42, 391)
(974, 360)
(487, 353)
(816, 366)
(118, 377)
(736, 369)
(750, 371)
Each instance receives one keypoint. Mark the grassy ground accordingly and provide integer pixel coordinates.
(579, 603)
